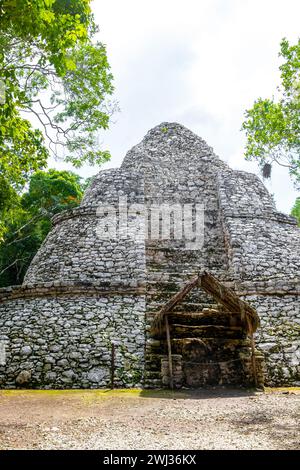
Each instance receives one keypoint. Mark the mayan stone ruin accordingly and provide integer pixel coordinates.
(87, 314)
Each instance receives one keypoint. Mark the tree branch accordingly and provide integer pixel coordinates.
(11, 265)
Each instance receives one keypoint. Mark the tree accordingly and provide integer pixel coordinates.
(54, 72)
(29, 220)
(52, 191)
(8, 197)
(272, 126)
(296, 210)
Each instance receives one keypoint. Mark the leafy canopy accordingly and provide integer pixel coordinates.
(29, 220)
(273, 126)
(8, 198)
(55, 75)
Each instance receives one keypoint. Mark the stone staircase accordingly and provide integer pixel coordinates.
(209, 347)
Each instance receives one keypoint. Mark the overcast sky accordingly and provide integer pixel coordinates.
(197, 62)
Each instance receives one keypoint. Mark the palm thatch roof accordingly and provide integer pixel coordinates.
(231, 303)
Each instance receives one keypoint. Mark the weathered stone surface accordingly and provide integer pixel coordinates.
(82, 293)
(26, 350)
(96, 376)
(87, 352)
(23, 377)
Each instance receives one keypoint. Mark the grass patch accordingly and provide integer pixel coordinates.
(92, 394)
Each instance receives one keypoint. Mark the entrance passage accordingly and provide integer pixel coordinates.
(214, 346)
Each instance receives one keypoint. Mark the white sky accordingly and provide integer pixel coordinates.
(197, 62)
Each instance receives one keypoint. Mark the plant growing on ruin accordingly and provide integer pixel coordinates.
(296, 210)
(272, 125)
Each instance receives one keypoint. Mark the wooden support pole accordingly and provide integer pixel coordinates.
(112, 370)
(169, 352)
(253, 358)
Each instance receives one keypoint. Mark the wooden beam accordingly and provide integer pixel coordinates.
(253, 360)
(179, 296)
(169, 352)
(206, 331)
(228, 298)
(112, 370)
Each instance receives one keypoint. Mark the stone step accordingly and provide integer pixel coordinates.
(208, 349)
(157, 291)
(152, 375)
(153, 360)
(153, 384)
(214, 373)
(169, 261)
(196, 307)
(153, 346)
(205, 317)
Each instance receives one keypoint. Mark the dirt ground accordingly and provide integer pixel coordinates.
(94, 419)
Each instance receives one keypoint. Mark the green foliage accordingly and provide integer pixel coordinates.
(28, 220)
(54, 72)
(54, 191)
(8, 198)
(296, 210)
(273, 126)
(7, 195)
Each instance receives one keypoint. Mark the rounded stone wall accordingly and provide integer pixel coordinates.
(83, 292)
(62, 336)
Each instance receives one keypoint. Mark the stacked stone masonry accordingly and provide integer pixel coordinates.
(83, 292)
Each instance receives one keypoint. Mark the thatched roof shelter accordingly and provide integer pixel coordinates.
(224, 296)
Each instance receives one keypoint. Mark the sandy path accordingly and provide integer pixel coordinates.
(215, 419)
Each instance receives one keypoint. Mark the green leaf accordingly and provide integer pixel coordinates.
(272, 127)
